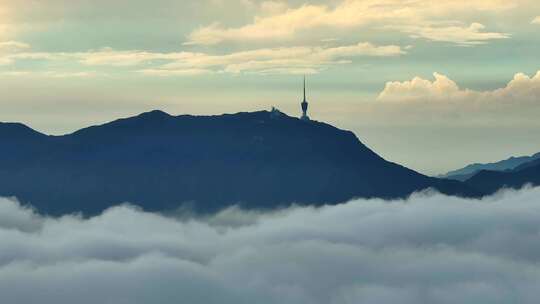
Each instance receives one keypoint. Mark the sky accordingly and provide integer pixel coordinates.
(437, 250)
(431, 85)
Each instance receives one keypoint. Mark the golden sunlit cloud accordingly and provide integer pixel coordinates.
(520, 89)
(355, 13)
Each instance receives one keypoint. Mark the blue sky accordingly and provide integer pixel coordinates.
(430, 85)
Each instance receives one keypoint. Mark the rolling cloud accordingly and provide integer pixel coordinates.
(427, 249)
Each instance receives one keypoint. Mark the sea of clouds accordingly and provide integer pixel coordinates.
(429, 248)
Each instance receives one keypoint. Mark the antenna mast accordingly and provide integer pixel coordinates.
(304, 87)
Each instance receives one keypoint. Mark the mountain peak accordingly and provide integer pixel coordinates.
(154, 114)
(17, 130)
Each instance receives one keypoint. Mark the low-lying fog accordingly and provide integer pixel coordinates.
(428, 249)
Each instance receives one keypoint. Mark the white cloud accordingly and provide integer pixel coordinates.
(284, 60)
(521, 88)
(471, 35)
(412, 16)
(108, 56)
(422, 89)
(105, 56)
(536, 20)
(278, 60)
(49, 74)
(442, 103)
(184, 72)
(427, 249)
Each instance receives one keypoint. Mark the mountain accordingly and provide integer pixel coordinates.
(18, 144)
(161, 162)
(469, 171)
(491, 181)
(528, 164)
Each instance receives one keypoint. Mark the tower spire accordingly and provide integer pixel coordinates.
(304, 88)
(304, 103)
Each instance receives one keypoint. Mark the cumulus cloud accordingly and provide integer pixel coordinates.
(521, 88)
(536, 20)
(427, 249)
(412, 17)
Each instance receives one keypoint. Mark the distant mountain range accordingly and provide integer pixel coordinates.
(161, 162)
(491, 181)
(509, 164)
(513, 173)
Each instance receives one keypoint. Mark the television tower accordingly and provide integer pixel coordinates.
(304, 104)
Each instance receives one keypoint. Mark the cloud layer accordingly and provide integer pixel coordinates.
(427, 249)
(473, 34)
(419, 18)
(286, 60)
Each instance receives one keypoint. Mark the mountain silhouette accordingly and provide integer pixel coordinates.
(526, 165)
(509, 164)
(490, 182)
(161, 162)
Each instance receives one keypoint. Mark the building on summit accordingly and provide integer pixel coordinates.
(275, 113)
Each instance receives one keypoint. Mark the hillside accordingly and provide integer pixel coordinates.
(162, 162)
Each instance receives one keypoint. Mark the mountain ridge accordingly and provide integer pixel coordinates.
(490, 182)
(160, 162)
(469, 171)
